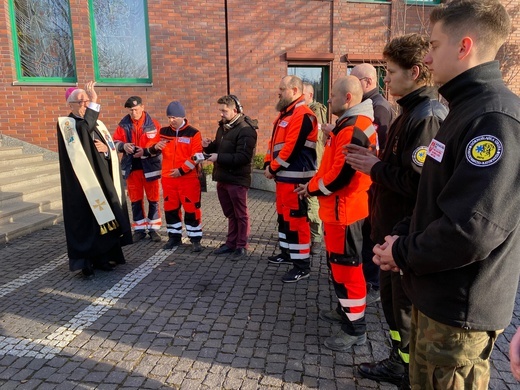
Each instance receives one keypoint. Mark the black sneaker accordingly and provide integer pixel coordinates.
(138, 235)
(294, 275)
(280, 258)
(223, 249)
(172, 243)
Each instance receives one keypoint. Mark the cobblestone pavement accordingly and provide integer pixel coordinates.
(180, 320)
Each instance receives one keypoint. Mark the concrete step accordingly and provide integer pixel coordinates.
(16, 159)
(30, 193)
(29, 224)
(36, 178)
(10, 151)
(24, 168)
(14, 212)
(50, 190)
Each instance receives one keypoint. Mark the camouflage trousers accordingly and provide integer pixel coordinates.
(314, 219)
(445, 357)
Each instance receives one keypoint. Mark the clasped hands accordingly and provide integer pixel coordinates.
(383, 255)
(360, 158)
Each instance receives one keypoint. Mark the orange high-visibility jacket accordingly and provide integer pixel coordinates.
(182, 145)
(342, 191)
(291, 154)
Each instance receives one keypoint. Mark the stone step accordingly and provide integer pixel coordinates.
(10, 151)
(20, 182)
(15, 211)
(16, 159)
(50, 190)
(29, 224)
(28, 167)
(30, 193)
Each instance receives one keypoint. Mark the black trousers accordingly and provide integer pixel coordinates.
(397, 309)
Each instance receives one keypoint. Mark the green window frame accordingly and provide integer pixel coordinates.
(42, 39)
(317, 75)
(120, 41)
(423, 2)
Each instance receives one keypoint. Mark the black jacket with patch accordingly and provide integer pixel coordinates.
(461, 260)
(396, 177)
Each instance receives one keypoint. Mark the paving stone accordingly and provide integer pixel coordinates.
(195, 321)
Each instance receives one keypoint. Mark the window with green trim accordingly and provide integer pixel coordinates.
(120, 40)
(42, 40)
(317, 75)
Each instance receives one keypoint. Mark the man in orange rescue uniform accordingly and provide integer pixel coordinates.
(180, 182)
(342, 194)
(291, 160)
(141, 169)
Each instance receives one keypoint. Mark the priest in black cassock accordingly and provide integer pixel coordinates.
(94, 203)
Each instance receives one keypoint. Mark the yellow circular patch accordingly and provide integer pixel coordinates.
(419, 155)
(484, 151)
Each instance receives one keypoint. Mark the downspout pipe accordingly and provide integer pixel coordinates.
(227, 46)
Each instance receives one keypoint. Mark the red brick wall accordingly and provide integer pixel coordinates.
(188, 54)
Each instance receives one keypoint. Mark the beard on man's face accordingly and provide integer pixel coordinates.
(282, 104)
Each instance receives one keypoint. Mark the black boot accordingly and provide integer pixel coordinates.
(173, 241)
(392, 370)
(405, 384)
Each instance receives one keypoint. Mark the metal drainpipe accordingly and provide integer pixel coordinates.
(227, 46)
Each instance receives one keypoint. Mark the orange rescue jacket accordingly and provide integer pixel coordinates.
(342, 191)
(178, 153)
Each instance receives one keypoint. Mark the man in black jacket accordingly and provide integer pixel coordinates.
(232, 153)
(383, 117)
(459, 256)
(395, 176)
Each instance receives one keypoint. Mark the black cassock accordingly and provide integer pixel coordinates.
(86, 245)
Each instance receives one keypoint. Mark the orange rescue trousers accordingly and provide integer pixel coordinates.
(294, 230)
(137, 186)
(344, 244)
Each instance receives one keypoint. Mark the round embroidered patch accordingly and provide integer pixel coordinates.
(484, 151)
(419, 155)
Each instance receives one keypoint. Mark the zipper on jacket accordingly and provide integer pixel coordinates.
(336, 209)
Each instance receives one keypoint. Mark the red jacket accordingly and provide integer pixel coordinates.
(342, 191)
(142, 133)
(291, 155)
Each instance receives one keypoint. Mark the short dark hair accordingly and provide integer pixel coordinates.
(228, 101)
(486, 19)
(408, 51)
